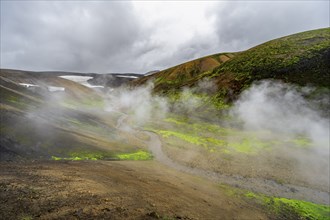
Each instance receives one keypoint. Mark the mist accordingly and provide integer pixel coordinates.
(273, 132)
(289, 113)
(140, 104)
(270, 111)
(283, 109)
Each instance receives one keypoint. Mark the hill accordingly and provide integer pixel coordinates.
(72, 150)
(45, 116)
(177, 76)
(301, 58)
(51, 147)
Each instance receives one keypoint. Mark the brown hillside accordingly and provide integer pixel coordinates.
(177, 76)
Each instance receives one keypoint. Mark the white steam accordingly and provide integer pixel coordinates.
(139, 103)
(288, 114)
(281, 108)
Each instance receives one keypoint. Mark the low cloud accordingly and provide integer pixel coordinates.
(243, 24)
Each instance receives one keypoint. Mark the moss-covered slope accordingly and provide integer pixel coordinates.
(177, 76)
(301, 59)
(37, 123)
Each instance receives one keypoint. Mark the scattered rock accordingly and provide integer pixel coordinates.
(153, 215)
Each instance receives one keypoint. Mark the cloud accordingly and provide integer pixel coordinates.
(139, 36)
(243, 24)
(89, 36)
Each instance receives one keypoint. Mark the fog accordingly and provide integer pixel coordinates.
(281, 108)
(289, 112)
(140, 104)
(272, 110)
(291, 121)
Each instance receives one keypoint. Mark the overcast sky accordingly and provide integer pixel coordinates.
(138, 36)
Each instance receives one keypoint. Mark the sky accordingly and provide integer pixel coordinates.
(141, 36)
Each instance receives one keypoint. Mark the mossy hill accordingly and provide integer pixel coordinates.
(180, 75)
(37, 123)
(301, 59)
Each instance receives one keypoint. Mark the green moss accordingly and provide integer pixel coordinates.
(219, 103)
(198, 127)
(250, 195)
(139, 155)
(207, 135)
(223, 140)
(302, 142)
(86, 155)
(202, 100)
(281, 208)
(211, 136)
(203, 126)
(243, 147)
(186, 137)
(284, 206)
(175, 121)
(306, 210)
(300, 58)
(216, 141)
(56, 158)
(249, 146)
(74, 158)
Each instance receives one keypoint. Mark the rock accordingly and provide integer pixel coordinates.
(153, 215)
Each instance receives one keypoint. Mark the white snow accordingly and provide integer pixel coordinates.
(50, 88)
(55, 89)
(122, 76)
(91, 86)
(27, 85)
(78, 79)
(81, 80)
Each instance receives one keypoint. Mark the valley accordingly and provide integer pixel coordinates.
(227, 136)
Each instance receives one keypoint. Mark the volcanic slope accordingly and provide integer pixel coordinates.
(51, 147)
(55, 134)
(54, 147)
(45, 116)
(301, 58)
(178, 76)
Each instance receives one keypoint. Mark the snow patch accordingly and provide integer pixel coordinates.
(55, 89)
(27, 85)
(81, 80)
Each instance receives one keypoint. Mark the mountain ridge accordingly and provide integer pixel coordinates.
(301, 58)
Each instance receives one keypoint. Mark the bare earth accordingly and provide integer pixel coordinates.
(113, 190)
